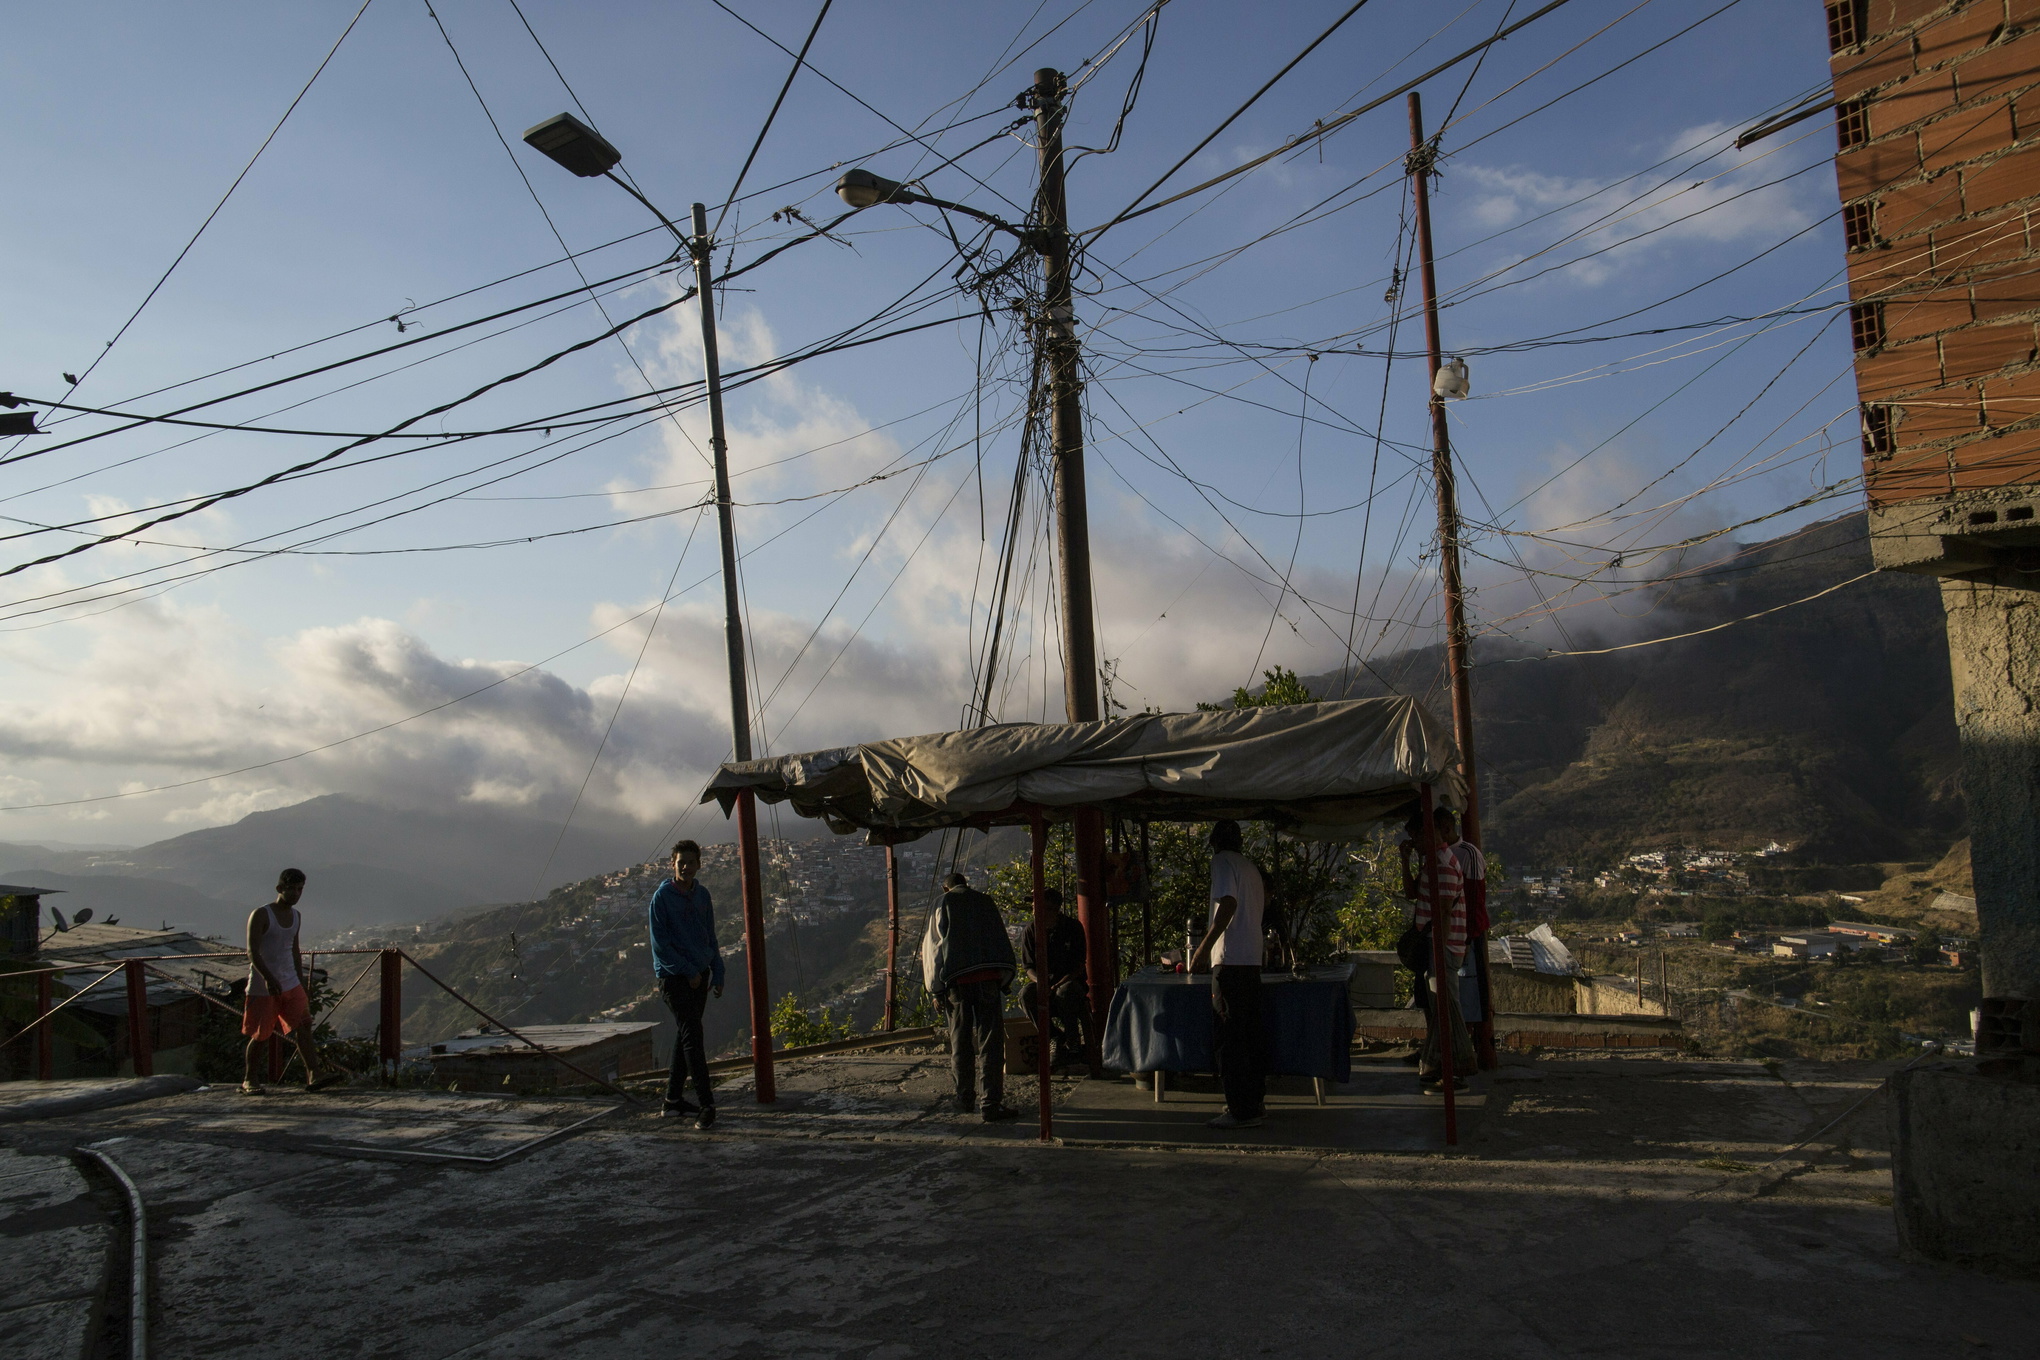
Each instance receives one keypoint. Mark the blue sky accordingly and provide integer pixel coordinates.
(387, 190)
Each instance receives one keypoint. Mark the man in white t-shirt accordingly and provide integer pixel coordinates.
(1231, 949)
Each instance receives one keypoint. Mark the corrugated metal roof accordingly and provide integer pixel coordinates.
(95, 947)
(558, 1038)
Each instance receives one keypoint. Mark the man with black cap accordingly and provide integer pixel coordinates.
(967, 966)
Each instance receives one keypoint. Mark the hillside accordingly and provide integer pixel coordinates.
(367, 864)
(581, 953)
(1828, 726)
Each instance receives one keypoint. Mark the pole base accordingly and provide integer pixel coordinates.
(1965, 1160)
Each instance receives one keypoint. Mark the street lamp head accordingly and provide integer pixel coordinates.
(574, 145)
(861, 188)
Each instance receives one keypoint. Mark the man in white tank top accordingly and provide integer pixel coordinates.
(276, 997)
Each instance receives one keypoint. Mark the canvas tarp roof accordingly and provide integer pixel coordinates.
(1326, 770)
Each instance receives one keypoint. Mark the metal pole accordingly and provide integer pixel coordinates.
(1441, 1020)
(702, 250)
(45, 1051)
(1147, 893)
(1418, 165)
(392, 1026)
(1056, 334)
(138, 1019)
(1038, 844)
(892, 938)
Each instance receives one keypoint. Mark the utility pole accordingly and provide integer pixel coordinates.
(1056, 333)
(1419, 165)
(701, 249)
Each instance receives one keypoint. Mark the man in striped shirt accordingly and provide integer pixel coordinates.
(1450, 886)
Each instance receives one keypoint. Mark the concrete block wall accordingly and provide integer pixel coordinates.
(1938, 164)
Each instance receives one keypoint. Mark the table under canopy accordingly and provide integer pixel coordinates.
(1163, 1022)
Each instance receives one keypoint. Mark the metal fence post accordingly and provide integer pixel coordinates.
(45, 1051)
(392, 1025)
(138, 1019)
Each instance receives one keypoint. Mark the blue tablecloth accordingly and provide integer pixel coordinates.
(1163, 1022)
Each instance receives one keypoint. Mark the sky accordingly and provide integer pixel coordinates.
(533, 620)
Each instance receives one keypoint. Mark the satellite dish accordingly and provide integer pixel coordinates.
(84, 915)
(58, 917)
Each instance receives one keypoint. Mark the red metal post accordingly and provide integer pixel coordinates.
(754, 947)
(1441, 1022)
(1087, 831)
(1039, 844)
(892, 938)
(45, 1051)
(138, 1019)
(392, 1018)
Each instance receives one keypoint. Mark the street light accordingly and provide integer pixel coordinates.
(574, 146)
(861, 189)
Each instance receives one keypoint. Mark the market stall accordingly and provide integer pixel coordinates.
(1322, 771)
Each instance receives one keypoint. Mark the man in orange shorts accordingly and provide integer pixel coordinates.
(276, 986)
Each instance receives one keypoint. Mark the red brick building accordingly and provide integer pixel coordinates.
(1938, 121)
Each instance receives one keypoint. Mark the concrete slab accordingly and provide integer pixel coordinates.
(21, 1100)
(54, 1262)
(1379, 1110)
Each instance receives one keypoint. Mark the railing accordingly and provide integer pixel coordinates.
(140, 1043)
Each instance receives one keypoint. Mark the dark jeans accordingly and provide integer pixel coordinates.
(977, 1040)
(690, 1056)
(1242, 1039)
(1069, 1013)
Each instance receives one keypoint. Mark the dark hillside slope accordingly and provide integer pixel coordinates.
(1828, 725)
(367, 863)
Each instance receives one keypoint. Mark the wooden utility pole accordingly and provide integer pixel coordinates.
(1419, 165)
(1055, 332)
(701, 248)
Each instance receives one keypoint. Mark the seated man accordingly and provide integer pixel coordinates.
(1069, 993)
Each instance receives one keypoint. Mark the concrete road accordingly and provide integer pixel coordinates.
(1607, 1210)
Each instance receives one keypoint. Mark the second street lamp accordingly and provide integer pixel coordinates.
(576, 147)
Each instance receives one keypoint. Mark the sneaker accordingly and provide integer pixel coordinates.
(1228, 1120)
(329, 1080)
(1434, 1086)
(999, 1114)
(706, 1119)
(680, 1111)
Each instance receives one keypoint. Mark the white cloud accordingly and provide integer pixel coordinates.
(1717, 201)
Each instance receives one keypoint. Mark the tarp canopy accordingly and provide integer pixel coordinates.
(1328, 771)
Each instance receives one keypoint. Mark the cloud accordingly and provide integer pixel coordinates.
(1716, 200)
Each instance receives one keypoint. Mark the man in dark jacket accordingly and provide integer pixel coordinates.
(967, 966)
(688, 963)
(1069, 993)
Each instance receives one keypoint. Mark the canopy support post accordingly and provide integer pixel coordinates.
(1147, 916)
(1441, 1020)
(754, 947)
(892, 938)
(1038, 844)
(1087, 832)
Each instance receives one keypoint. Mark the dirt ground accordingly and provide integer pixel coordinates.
(1622, 1207)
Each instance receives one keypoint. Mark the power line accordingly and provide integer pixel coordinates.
(157, 287)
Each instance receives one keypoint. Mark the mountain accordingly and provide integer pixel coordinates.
(366, 864)
(1827, 725)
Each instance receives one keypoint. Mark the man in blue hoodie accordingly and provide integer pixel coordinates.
(688, 963)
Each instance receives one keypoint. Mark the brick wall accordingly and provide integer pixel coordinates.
(1939, 171)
